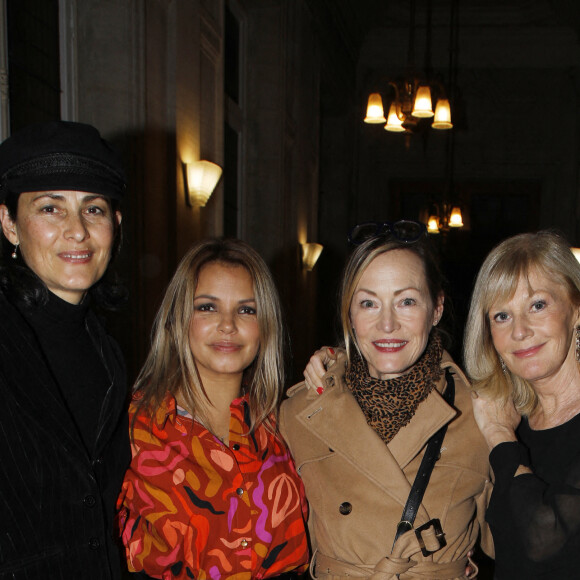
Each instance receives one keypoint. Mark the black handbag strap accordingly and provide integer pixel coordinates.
(424, 474)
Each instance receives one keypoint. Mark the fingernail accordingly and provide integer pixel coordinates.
(320, 390)
(331, 350)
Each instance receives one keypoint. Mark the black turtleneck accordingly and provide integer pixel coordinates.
(74, 360)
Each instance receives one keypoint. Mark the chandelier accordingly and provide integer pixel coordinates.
(411, 98)
(443, 216)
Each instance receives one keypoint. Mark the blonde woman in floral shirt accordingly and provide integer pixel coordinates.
(212, 491)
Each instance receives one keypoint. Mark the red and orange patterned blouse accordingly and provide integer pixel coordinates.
(192, 507)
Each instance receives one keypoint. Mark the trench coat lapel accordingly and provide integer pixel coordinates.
(354, 440)
(429, 417)
(362, 447)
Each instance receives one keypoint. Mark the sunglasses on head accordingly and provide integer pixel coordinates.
(406, 231)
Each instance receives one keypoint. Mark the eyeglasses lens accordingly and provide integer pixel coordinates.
(407, 231)
(403, 230)
(363, 232)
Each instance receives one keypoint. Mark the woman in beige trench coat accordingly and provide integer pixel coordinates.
(358, 437)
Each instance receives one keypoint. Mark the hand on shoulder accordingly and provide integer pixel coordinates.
(322, 360)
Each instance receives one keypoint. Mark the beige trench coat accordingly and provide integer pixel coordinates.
(357, 486)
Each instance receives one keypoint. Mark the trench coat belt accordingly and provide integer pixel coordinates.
(388, 568)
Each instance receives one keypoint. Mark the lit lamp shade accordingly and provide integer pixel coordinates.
(433, 225)
(375, 111)
(442, 119)
(455, 219)
(423, 107)
(202, 178)
(394, 124)
(310, 254)
(576, 252)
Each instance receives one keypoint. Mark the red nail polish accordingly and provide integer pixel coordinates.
(320, 390)
(331, 351)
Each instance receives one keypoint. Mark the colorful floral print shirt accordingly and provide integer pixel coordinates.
(192, 507)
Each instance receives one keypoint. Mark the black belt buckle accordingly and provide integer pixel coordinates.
(436, 525)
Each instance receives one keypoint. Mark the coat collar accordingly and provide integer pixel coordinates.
(335, 418)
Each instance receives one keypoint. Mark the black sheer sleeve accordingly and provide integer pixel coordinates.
(545, 515)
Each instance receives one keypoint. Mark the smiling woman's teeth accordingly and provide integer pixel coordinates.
(77, 256)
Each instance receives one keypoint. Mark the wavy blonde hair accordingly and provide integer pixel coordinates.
(170, 366)
(545, 252)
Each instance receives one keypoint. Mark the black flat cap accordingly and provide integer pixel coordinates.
(60, 155)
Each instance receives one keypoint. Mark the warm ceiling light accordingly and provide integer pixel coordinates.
(442, 119)
(394, 124)
(417, 92)
(375, 111)
(202, 178)
(433, 225)
(423, 107)
(455, 219)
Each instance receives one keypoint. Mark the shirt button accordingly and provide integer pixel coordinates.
(235, 447)
(345, 508)
(94, 543)
(240, 491)
(244, 543)
(90, 501)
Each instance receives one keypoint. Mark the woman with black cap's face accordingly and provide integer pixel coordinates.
(60, 185)
(65, 238)
(64, 446)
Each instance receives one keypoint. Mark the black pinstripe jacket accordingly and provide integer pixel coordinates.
(56, 502)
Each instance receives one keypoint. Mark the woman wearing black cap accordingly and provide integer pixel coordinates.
(63, 427)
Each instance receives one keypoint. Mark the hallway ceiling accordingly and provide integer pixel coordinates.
(362, 37)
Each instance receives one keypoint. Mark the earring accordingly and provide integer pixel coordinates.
(503, 365)
(14, 254)
(578, 344)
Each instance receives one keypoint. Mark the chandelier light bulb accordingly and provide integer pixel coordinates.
(455, 219)
(442, 119)
(375, 111)
(433, 225)
(394, 124)
(423, 107)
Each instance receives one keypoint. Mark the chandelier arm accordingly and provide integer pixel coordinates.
(398, 107)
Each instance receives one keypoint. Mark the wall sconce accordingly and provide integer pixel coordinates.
(202, 179)
(310, 254)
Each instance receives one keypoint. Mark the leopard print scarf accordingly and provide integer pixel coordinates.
(389, 405)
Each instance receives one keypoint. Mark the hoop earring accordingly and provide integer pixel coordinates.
(14, 254)
(578, 344)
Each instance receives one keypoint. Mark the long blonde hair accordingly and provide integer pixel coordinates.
(170, 366)
(546, 252)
